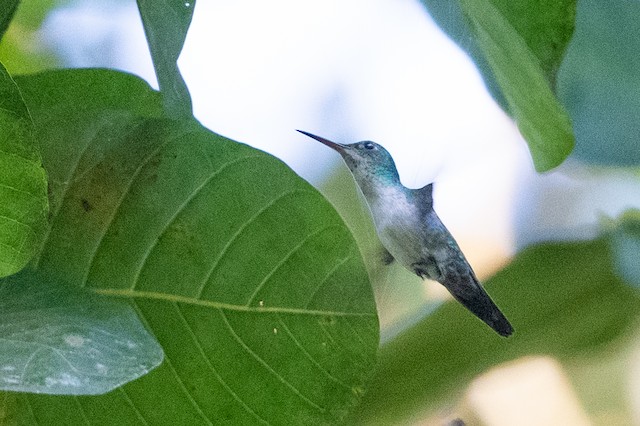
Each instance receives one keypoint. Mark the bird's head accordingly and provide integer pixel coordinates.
(367, 160)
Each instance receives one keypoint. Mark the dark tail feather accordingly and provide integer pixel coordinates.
(466, 290)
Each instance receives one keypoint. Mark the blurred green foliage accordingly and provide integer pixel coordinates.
(546, 32)
(599, 82)
(518, 47)
(7, 10)
(21, 50)
(625, 245)
(562, 299)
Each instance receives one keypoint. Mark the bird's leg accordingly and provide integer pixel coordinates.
(386, 257)
(427, 269)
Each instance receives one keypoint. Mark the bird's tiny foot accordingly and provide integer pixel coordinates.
(386, 257)
(427, 269)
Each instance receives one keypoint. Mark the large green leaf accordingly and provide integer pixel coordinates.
(23, 183)
(562, 299)
(248, 278)
(60, 340)
(599, 82)
(166, 23)
(517, 62)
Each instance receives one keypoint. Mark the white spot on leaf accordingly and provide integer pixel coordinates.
(12, 380)
(62, 380)
(74, 340)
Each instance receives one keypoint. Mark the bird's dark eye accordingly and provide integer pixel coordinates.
(369, 145)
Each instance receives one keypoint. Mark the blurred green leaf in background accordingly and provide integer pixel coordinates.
(519, 47)
(563, 299)
(599, 82)
(21, 50)
(625, 246)
(8, 9)
(23, 182)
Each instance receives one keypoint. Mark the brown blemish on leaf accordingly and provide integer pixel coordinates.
(86, 205)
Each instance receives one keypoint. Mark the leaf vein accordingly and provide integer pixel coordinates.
(224, 384)
(264, 364)
(22, 191)
(82, 410)
(132, 294)
(309, 356)
(186, 391)
(116, 210)
(325, 279)
(11, 219)
(284, 260)
(127, 398)
(332, 340)
(31, 410)
(358, 337)
(179, 210)
(238, 233)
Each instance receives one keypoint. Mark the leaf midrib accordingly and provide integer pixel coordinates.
(136, 294)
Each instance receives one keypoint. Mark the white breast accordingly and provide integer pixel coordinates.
(395, 219)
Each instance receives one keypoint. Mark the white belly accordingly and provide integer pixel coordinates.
(396, 225)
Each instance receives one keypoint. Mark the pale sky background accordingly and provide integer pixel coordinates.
(350, 70)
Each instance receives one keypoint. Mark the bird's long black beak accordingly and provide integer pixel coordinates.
(337, 146)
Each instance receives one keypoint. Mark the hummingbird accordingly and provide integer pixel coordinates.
(411, 231)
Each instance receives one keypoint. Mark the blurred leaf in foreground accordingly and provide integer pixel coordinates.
(59, 340)
(23, 183)
(246, 275)
(522, 65)
(563, 300)
(546, 28)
